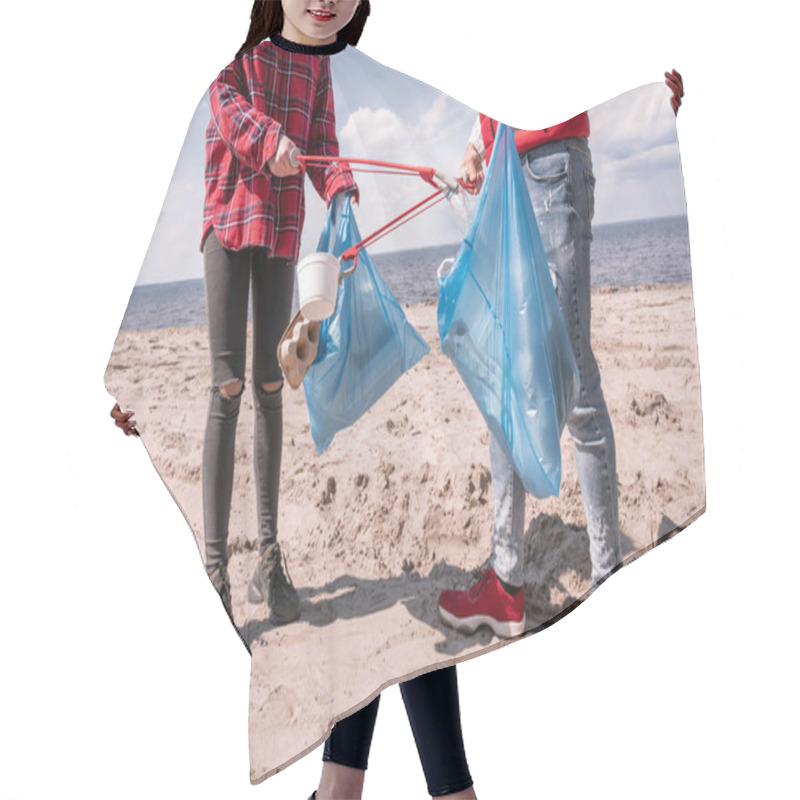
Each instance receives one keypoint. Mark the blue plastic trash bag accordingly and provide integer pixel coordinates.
(364, 347)
(500, 323)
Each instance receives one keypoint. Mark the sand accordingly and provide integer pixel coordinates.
(400, 506)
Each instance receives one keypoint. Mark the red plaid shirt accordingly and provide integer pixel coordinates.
(267, 92)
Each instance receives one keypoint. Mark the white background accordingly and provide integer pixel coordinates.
(119, 674)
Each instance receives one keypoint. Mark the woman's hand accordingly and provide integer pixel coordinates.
(280, 165)
(472, 170)
(675, 83)
(124, 420)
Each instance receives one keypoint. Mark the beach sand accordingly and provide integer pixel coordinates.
(400, 506)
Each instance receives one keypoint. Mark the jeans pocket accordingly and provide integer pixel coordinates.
(546, 169)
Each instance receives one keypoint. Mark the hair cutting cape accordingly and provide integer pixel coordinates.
(399, 505)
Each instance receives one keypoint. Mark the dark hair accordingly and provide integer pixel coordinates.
(266, 19)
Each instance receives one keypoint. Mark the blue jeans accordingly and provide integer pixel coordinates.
(561, 186)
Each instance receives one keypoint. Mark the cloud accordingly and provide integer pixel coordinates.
(636, 121)
(436, 137)
(377, 133)
(174, 251)
(635, 156)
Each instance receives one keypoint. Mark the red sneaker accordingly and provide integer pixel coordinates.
(486, 603)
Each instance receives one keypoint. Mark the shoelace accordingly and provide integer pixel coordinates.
(285, 579)
(476, 590)
(286, 568)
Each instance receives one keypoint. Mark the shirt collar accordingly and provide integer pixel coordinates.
(309, 49)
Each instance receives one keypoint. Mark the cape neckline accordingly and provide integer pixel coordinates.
(309, 49)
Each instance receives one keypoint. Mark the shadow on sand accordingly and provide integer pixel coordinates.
(557, 580)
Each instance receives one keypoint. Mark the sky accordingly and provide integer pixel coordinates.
(386, 115)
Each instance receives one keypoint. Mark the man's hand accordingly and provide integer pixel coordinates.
(675, 83)
(124, 420)
(472, 170)
(280, 164)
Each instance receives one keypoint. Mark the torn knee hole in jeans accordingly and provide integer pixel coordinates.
(270, 394)
(231, 390)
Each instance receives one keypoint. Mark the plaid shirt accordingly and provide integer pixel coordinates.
(268, 92)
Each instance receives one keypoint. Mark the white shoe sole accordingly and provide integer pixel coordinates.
(505, 630)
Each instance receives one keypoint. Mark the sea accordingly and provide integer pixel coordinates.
(624, 254)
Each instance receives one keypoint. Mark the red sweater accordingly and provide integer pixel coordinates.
(276, 87)
(527, 140)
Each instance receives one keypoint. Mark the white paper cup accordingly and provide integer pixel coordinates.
(317, 284)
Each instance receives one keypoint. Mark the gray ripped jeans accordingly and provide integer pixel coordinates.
(229, 274)
(561, 186)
